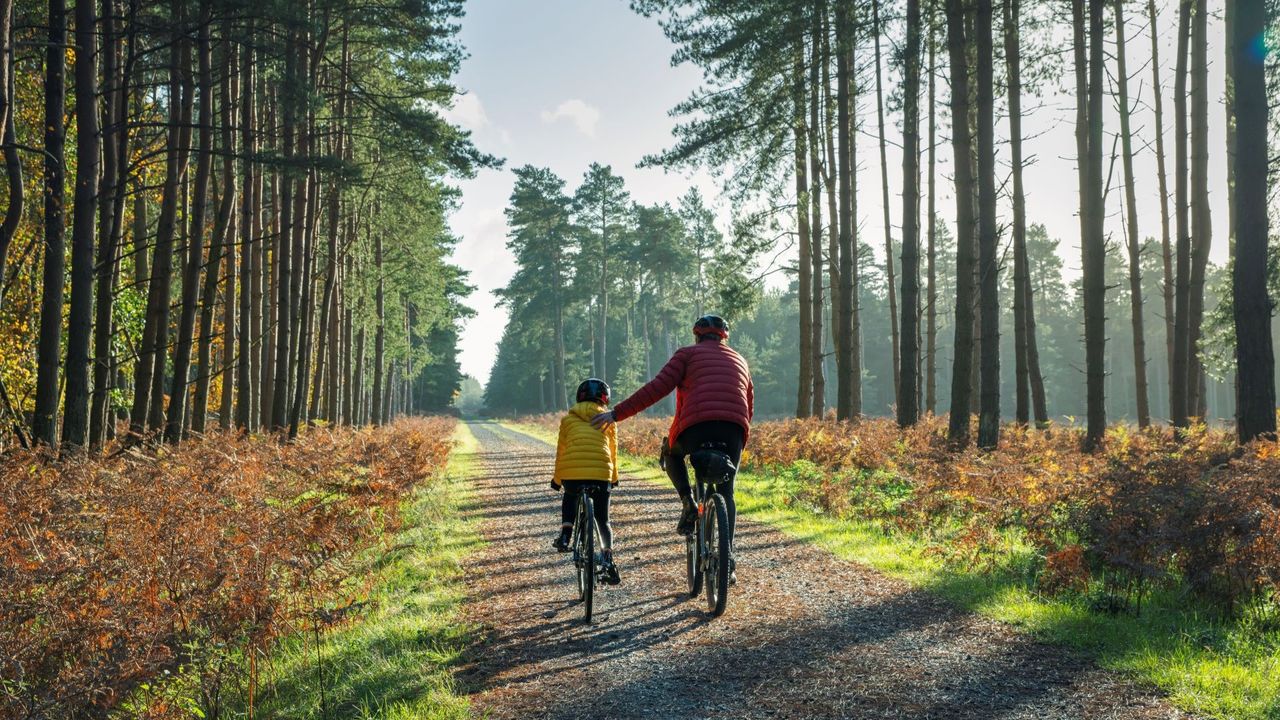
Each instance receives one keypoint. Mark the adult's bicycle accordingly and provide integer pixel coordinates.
(708, 549)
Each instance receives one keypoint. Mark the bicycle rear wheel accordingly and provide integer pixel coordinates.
(586, 559)
(693, 562)
(717, 561)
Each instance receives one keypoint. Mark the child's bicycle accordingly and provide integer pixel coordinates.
(707, 550)
(588, 560)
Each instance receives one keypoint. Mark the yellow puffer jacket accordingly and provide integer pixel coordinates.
(583, 452)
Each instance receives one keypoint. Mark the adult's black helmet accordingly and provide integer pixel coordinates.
(594, 390)
(711, 325)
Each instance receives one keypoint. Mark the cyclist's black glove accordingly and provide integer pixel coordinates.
(554, 486)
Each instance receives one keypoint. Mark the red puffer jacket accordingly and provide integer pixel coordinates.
(712, 382)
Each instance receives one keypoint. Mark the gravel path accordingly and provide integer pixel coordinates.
(805, 635)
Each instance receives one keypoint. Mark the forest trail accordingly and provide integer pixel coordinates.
(805, 635)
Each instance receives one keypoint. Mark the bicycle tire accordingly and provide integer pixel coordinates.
(587, 555)
(693, 563)
(717, 565)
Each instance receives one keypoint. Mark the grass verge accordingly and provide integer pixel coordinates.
(395, 660)
(1209, 665)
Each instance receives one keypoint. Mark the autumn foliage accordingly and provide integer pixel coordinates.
(118, 572)
(1153, 508)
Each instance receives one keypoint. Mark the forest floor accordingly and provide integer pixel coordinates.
(806, 634)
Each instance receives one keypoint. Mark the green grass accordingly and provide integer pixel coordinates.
(394, 660)
(1206, 664)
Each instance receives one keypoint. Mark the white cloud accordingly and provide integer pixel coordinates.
(468, 112)
(583, 116)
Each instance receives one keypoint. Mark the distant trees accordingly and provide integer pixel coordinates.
(235, 169)
(600, 208)
(665, 267)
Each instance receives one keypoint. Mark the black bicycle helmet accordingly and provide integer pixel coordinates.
(594, 389)
(711, 325)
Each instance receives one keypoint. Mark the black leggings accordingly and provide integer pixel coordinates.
(600, 499)
(690, 441)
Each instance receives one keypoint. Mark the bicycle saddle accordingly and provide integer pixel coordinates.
(712, 464)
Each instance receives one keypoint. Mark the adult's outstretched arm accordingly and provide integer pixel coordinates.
(667, 379)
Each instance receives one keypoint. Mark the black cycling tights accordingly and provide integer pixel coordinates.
(693, 437)
(600, 499)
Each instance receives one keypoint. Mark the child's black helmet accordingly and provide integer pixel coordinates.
(594, 389)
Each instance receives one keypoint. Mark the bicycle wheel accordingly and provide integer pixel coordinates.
(586, 555)
(717, 538)
(693, 561)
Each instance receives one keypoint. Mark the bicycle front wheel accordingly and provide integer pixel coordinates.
(586, 555)
(716, 519)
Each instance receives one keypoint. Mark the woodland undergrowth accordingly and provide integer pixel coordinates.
(149, 582)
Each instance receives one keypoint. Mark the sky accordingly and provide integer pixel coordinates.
(564, 83)
(560, 84)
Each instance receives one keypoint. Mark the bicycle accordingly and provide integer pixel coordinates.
(707, 550)
(588, 560)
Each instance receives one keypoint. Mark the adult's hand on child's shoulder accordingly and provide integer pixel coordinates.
(602, 420)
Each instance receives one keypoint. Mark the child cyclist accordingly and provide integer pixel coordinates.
(587, 458)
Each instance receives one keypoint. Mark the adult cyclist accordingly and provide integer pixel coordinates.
(714, 403)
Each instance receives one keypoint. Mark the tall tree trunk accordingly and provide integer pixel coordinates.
(931, 322)
(1201, 226)
(830, 181)
(1255, 359)
(846, 406)
(380, 336)
(1013, 70)
(195, 239)
(8, 138)
(1038, 405)
(817, 339)
(1166, 248)
(988, 251)
(250, 255)
(75, 413)
(961, 141)
(1229, 66)
(271, 234)
(908, 395)
(337, 349)
(1179, 411)
(888, 221)
(1093, 248)
(327, 300)
(45, 421)
(562, 395)
(306, 301)
(604, 288)
(349, 398)
(222, 250)
(855, 246)
(358, 373)
(115, 172)
(804, 297)
(1131, 216)
(284, 254)
(13, 177)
